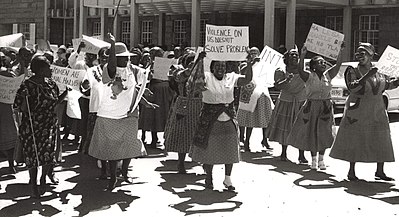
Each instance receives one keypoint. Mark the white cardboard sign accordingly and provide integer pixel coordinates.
(323, 41)
(67, 77)
(388, 63)
(226, 42)
(9, 87)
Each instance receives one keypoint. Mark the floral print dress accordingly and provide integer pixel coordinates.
(39, 145)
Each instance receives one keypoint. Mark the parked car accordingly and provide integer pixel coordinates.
(340, 92)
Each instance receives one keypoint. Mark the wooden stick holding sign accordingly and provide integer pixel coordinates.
(323, 41)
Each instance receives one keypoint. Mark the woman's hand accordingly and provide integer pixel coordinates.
(202, 55)
(304, 50)
(373, 71)
(111, 37)
(151, 105)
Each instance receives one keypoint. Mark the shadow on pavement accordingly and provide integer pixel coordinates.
(81, 182)
(311, 179)
(190, 186)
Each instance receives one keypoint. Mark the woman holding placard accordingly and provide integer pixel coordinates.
(364, 134)
(312, 130)
(254, 111)
(290, 100)
(216, 138)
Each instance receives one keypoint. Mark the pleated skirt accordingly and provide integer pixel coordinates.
(283, 118)
(116, 139)
(181, 128)
(223, 145)
(261, 116)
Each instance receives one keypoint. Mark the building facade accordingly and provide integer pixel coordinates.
(170, 23)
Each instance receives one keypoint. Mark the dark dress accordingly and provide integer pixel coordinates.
(42, 102)
(364, 134)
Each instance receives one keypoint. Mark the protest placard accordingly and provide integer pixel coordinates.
(92, 45)
(323, 41)
(67, 77)
(14, 40)
(270, 60)
(388, 63)
(226, 42)
(43, 45)
(161, 68)
(9, 87)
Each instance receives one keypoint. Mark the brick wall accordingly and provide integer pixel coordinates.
(22, 11)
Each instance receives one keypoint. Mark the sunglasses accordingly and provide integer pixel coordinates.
(321, 62)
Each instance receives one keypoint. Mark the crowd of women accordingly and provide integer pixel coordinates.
(203, 114)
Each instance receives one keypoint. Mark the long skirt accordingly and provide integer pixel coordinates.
(154, 120)
(182, 124)
(312, 130)
(116, 139)
(91, 121)
(283, 118)
(8, 129)
(364, 134)
(261, 116)
(223, 145)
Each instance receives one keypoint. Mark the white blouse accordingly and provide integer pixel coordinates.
(219, 91)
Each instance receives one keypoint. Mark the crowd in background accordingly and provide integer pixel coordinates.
(202, 113)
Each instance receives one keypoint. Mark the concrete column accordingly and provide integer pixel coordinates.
(161, 19)
(102, 21)
(195, 22)
(290, 24)
(134, 24)
(268, 30)
(45, 20)
(75, 18)
(115, 27)
(81, 21)
(347, 28)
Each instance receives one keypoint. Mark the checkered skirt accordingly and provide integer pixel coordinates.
(115, 139)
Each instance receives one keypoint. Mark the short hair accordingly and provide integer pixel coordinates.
(313, 61)
(38, 62)
(213, 64)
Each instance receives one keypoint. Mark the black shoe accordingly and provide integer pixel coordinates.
(303, 160)
(35, 191)
(229, 187)
(266, 144)
(54, 180)
(128, 179)
(352, 178)
(382, 176)
(181, 169)
(208, 183)
(246, 147)
(111, 184)
(11, 170)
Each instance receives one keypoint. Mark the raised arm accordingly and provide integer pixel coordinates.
(111, 67)
(333, 71)
(248, 73)
(302, 73)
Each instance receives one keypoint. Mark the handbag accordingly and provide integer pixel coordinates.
(182, 106)
(246, 92)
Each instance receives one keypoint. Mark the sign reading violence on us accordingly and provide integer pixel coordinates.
(67, 77)
(388, 63)
(9, 87)
(323, 41)
(226, 42)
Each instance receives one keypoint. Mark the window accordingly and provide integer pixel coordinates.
(24, 28)
(125, 37)
(335, 23)
(202, 32)
(179, 30)
(146, 32)
(96, 28)
(368, 30)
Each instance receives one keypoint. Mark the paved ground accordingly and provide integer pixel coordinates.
(265, 186)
